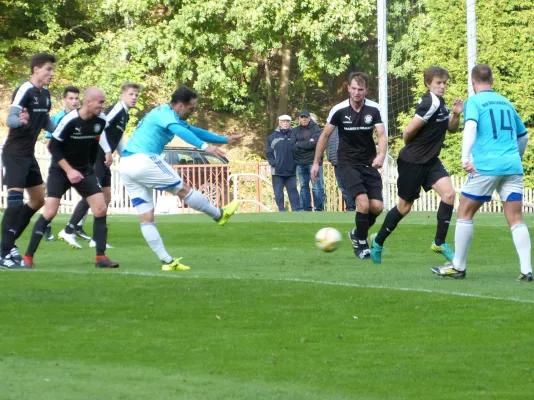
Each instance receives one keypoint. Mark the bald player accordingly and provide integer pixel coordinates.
(74, 148)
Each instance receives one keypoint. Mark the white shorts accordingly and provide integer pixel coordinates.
(141, 174)
(481, 187)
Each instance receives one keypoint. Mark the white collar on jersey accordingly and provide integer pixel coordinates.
(125, 107)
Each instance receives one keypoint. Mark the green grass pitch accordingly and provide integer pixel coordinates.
(263, 314)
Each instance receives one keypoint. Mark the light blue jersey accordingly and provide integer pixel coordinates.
(55, 120)
(495, 151)
(159, 127)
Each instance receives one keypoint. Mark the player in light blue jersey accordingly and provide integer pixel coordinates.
(494, 141)
(71, 100)
(142, 170)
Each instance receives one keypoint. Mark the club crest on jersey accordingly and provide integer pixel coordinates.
(96, 128)
(368, 119)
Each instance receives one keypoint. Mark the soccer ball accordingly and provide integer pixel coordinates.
(327, 239)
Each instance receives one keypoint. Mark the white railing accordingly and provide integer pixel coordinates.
(251, 185)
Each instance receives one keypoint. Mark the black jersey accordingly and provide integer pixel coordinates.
(21, 140)
(79, 139)
(428, 142)
(355, 130)
(117, 117)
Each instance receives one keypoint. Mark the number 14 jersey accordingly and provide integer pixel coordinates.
(495, 151)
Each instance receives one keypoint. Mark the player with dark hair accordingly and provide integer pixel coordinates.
(74, 146)
(142, 170)
(494, 142)
(28, 115)
(71, 100)
(117, 116)
(419, 164)
(356, 119)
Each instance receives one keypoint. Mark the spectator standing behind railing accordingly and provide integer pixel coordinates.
(304, 138)
(283, 168)
(331, 152)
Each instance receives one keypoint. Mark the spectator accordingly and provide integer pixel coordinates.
(331, 152)
(283, 169)
(304, 138)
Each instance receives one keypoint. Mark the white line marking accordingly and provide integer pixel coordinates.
(299, 280)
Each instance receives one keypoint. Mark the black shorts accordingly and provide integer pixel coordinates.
(413, 177)
(21, 171)
(103, 173)
(360, 179)
(58, 183)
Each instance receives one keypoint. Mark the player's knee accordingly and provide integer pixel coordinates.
(183, 191)
(376, 208)
(100, 210)
(404, 207)
(37, 203)
(49, 212)
(448, 197)
(362, 206)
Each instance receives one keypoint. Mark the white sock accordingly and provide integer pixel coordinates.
(523, 246)
(195, 200)
(462, 240)
(152, 237)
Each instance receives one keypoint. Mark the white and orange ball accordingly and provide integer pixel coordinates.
(327, 239)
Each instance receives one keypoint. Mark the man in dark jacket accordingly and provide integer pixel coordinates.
(283, 170)
(331, 152)
(304, 138)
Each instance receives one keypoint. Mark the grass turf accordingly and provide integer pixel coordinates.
(263, 314)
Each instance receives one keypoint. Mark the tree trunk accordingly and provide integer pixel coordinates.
(284, 79)
(270, 95)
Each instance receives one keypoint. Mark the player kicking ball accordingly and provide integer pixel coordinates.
(493, 144)
(142, 170)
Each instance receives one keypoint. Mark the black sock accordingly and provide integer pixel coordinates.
(362, 226)
(100, 234)
(37, 234)
(77, 215)
(444, 219)
(393, 217)
(10, 221)
(372, 219)
(25, 217)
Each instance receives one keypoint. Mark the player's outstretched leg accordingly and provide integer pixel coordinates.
(226, 212)
(198, 202)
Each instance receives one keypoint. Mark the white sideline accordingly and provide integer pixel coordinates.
(344, 284)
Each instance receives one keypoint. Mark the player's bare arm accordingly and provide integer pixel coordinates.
(320, 148)
(454, 119)
(235, 138)
(413, 128)
(378, 162)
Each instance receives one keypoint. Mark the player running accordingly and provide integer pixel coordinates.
(419, 164)
(494, 141)
(356, 119)
(142, 170)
